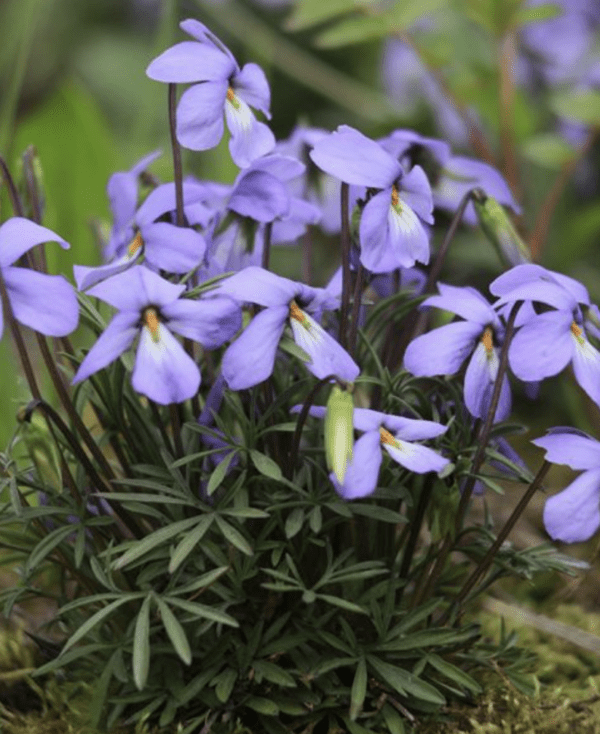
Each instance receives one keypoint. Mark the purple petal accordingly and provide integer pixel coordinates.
(574, 450)
(352, 157)
(411, 429)
(135, 289)
(586, 365)
(550, 293)
(257, 285)
(171, 248)
(45, 303)
(114, 340)
(416, 192)
(301, 214)
(542, 347)
(479, 385)
(283, 167)
(250, 139)
(414, 457)
(573, 515)
(200, 115)
(391, 237)
(18, 235)
(363, 469)
(251, 358)
(260, 196)
(163, 371)
(210, 321)
(441, 351)
(252, 86)
(189, 61)
(461, 174)
(87, 277)
(465, 302)
(327, 356)
(200, 32)
(122, 193)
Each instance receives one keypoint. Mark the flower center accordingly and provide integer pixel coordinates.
(487, 339)
(298, 314)
(232, 99)
(386, 437)
(577, 332)
(150, 319)
(135, 246)
(396, 199)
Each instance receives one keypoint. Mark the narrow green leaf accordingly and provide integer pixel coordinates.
(427, 638)
(404, 682)
(273, 673)
(202, 611)
(43, 549)
(359, 689)
(158, 537)
(355, 29)
(191, 540)
(219, 473)
(79, 546)
(293, 523)
(342, 603)
(453, 673)
(315, 520)
(393, 720)
(265, 465)
(246, 512)
(579, 106)
(225, 682)
(262, 706)
(141, 645)
(175, 631)
(92, 622)
(234, 536)
(381, 514)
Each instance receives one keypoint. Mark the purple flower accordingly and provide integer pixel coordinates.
(451, 176)
(151, 308)
(573, 515)
(251, 358)
(391, 229)
(163, 245)
(45, 303)
(219, 87)
(443, 350)
(395, 435)
(547, 342)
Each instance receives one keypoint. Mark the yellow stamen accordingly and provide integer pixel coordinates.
(135, 245)
(298, 314)
(386, 437)
(232, 98)
(395, 198)
(577, 332)
(150, 319)
(487, 339)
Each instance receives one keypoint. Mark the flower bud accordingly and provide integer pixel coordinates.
(339, 430)
(500, 230)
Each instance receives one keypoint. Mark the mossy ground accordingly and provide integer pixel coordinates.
(568, 700)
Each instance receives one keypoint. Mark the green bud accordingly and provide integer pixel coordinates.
(339, 430)
(499, 229)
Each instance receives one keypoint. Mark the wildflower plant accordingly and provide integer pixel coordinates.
(255, 492)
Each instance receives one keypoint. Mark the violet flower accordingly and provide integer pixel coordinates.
(443, 350)
(219, 87)
(391, 228)
(45, 303)
(450, 176)
(547, 342)
(251, 358)
(396, 435)
(151, 308)
(163, 245)
(573, 515)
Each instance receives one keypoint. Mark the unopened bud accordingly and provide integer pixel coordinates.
(339, 430)
(499, 229)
